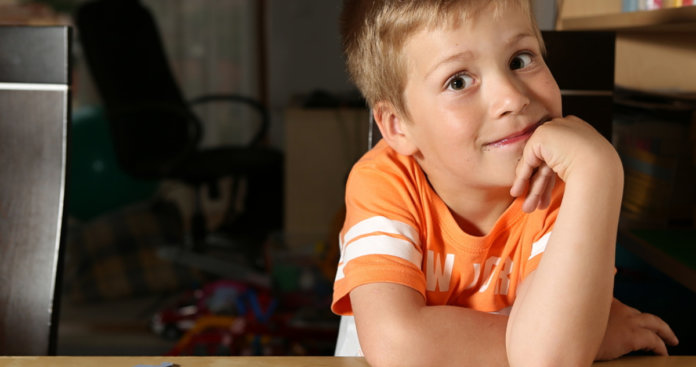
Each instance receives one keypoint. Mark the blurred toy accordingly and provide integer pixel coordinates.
(290, 317)
(229, 335)
(223, 297)
(228, 317)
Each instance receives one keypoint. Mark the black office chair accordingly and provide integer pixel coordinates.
(156, 135)
(34, 117)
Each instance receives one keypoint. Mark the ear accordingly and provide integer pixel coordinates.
(394, 128)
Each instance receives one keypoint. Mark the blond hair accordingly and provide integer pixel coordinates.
(374, 32)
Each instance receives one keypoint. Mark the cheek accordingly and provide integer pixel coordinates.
(553, 97)
(463, 117)
(415, 103)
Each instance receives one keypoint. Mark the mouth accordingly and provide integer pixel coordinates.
(518, 136)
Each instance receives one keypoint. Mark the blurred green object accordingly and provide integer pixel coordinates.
(96, 183)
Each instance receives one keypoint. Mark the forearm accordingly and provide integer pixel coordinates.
(561, 315)
(414, 334)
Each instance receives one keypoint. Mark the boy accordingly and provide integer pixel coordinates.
(480, 231)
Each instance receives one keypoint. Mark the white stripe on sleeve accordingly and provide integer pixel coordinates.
(380, 245)
(381, 224)
(376, 242)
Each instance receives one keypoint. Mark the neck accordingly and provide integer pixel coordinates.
(476, 213)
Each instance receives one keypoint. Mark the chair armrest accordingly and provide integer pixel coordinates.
(255, 104)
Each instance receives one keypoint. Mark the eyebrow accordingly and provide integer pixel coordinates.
(466, 55)
(516, 38)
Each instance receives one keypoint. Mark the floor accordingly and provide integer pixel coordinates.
(110, 328)
(122, 279)
(123, 326)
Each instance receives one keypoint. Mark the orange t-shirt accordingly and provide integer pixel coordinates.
(398, 230)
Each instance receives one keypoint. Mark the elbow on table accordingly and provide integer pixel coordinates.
(395, 349)
(549, 357)
(388, 358)
(383, 358)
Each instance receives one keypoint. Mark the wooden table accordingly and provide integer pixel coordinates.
(673, 361)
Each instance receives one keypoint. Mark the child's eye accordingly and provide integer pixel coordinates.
(520, 61)
(459, 82)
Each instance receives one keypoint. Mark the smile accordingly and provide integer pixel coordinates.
(516, 137)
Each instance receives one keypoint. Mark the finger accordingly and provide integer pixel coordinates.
(518, 188)
(530, 203)
(536, 190)
(646, 340)
(523, 173)
(659, 327)
(546, 198)
(545, 174)
(522, 176)
(656, 345)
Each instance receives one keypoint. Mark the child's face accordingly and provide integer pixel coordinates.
(474, 94)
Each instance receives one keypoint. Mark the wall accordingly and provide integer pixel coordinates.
(303, 53)
(545, 11)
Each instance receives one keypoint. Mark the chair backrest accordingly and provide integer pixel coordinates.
(34, 119)
(151, 125)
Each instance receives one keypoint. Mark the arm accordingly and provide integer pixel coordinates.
(396, 328)
(628, 329)
(561, 312)
(388, 339)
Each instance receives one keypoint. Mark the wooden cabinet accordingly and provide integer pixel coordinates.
(655, 50)
(320, 148)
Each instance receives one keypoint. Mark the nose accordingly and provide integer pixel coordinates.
(508, 95)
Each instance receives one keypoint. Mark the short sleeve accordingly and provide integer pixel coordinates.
(380, 240)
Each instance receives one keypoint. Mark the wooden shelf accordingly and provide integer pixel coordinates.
(671, 19)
